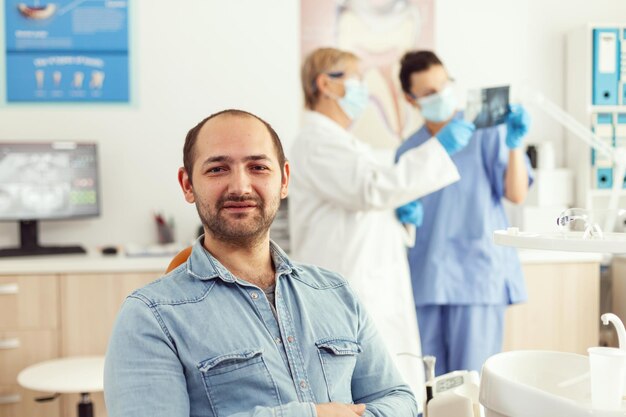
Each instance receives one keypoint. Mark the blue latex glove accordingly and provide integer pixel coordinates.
(456, 135)
(411, 213)
(517, 125)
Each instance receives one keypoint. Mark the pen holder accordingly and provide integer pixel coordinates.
(165, 232)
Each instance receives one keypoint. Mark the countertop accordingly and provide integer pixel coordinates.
(94, 262)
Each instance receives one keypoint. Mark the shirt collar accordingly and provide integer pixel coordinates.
(202, 265)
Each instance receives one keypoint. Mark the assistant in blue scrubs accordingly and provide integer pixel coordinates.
(462, 282)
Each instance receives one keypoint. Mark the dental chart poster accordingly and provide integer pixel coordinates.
(67, 51)
(379, 32)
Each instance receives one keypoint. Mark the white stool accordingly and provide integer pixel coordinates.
(73, 375)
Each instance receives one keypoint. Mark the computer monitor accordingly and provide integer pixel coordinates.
(46, 181)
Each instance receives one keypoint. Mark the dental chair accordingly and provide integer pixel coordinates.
(180, 258)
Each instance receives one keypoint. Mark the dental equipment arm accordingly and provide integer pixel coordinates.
(617, 155)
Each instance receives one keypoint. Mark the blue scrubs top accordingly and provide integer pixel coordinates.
(454, 260)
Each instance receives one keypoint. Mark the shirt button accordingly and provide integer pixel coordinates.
(303, 384)
(278, 341)
(254, 295)
(290, 339)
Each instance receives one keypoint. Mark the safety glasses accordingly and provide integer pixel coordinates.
(587, 221)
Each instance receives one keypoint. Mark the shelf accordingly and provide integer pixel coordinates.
(605, 193)
(606, 109)
(613, 243)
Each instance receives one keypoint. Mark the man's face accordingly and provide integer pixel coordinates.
(428, 82)
(237, 184)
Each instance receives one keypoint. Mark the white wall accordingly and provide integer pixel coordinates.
(196, 57)
(522, 42)
(189, 59)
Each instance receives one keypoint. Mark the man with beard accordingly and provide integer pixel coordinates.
(239, 330)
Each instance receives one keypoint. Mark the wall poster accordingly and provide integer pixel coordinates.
(66, 51)
(379, 32)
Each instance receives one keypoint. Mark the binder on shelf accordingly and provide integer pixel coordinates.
(606, 62)
(604, 130)
(623, 68)
(620, 130)
(602, 124)
(604, 178)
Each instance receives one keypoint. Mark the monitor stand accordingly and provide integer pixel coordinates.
(29, 243)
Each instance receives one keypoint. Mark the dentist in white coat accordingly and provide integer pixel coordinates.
(343, 196)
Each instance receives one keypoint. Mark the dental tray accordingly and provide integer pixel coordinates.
(613, 243)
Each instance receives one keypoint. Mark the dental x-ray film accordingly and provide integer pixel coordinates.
(487, 107)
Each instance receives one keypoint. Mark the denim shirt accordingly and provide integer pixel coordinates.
(202, 342)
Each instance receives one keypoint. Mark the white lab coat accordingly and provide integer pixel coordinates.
(341, 217)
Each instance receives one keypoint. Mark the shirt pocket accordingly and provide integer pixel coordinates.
(238, 381)
(338, 357)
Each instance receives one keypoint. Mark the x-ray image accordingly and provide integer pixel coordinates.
(487, 107)
(47, 180)
(37, 183)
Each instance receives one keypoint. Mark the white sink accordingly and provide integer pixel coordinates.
(538, 384)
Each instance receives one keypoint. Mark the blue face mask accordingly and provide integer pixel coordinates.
(438, 107)
(355, 99)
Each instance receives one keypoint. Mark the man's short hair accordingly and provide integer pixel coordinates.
(320, 61)
(192, 138)
(416, 61)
